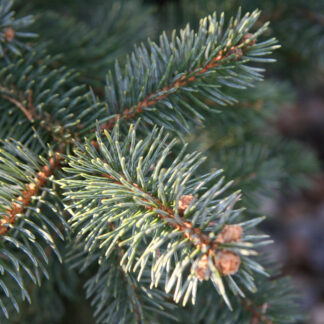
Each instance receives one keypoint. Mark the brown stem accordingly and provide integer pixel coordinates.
(31, 190)
(20, 106)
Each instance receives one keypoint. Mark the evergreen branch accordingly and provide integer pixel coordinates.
(127, 200)
(163, 214)
(184, 80)
(43, 95)
(181, 74)
(25, 241)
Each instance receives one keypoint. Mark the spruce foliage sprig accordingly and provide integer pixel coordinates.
(30, 213)
(168, 83)
(35, 94)
(161, 214)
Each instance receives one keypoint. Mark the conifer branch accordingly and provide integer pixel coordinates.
(32, 189)
(170, 83)
(25, 240)
(229, 234)
(147, 202)
(161, 220)
(184, 80)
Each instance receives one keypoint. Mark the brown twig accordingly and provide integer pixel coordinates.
(20, 106)
(29, 110)
(32, 189)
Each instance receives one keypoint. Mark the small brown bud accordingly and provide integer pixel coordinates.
(227, 262)
(184, 203)
(230, 233)
(9, 34)
(202, 266)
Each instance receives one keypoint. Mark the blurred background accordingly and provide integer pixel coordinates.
(286, 111)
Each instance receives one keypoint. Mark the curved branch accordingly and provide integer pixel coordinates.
(182, 81)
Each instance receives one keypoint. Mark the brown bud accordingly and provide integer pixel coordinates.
(230, 233)
(227, 262)
(9, 34)
(184, 203)
(202, 266)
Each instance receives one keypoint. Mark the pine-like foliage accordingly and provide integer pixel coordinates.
(169, 82)
(101, 181)
(141, 201)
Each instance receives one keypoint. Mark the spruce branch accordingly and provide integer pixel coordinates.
(141, 196)
(27, 231)
(62, 133)
(168, 84)
(40, 96)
